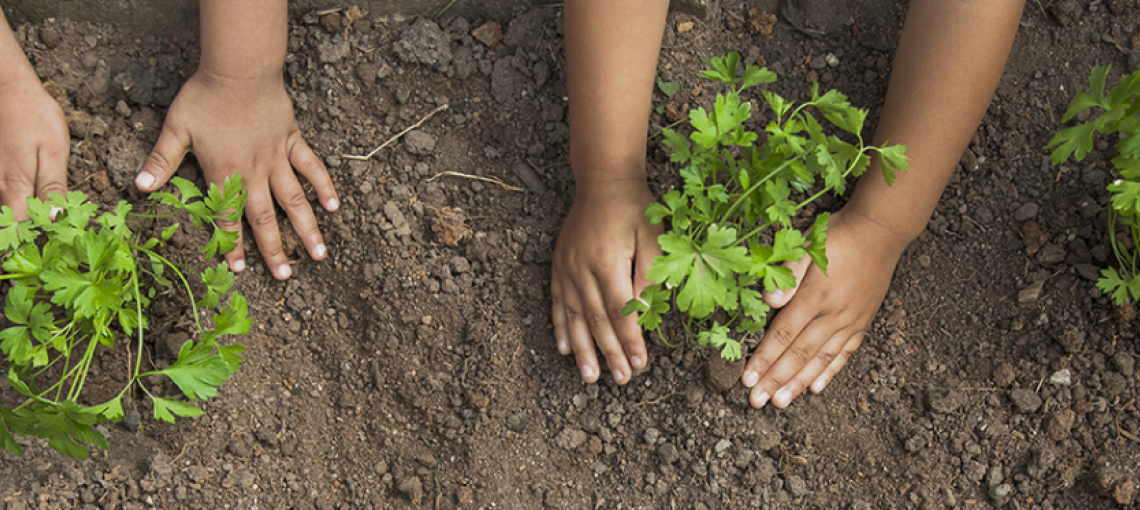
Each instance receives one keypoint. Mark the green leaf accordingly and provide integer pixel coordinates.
(722, 69)
(1125, 197)
(186, 189)
(892, 159)
(817, 240)
(218, 280)
(166, 409)
(753, 304)
(717, 338)
(668, 87)
(233, 319)
(13, 233)
(779, 105)
(1076, 141)
(168, 232)
(755, 76)
(1110, 282)
(679, 144)
(198, 373)
(652, 304)
(672, 268)
(706, 135)
(231, 354)
(7, 441)
(111, 410)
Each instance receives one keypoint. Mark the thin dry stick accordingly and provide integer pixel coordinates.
(491, 180)
(397, 137)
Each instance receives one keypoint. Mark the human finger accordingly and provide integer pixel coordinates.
(16, 186)
(164, 159)
(558, 310)
(306, 162)
(579, 335)
(291, 196)
(598, 318)
(263, 221)
(822, 380)
(782, 333)
(616, 290)
(800, 365)
(780, 297)
(51, 176)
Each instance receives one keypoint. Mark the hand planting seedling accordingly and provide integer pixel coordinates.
(78, 282)
(737, 193)
(1121, 115)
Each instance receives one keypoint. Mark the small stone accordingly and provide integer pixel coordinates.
(412, 488)
(1125, 492)
(123, 109)
(50, 37)
(1059, 424)
(77, 122)
(419, 142)
(1025, 400)
(832, 60)
(1003, 375)
(599, 468)
(489, 33)
(1124, 363)
(1061, 377)
(1026, 212)
(684, 27)
(1000, 491)
(517, 422)
(668, 453)
(570, 438)
(819, 62)
(924, 261)
(1032, 293)
(531, 179)
(131, 419)
(651, 435)
(796, 485)
(722, 445)
(1072, 339)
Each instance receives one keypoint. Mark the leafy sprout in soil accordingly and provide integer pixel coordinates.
(79, 281)
(738, 191)
(1121, 115)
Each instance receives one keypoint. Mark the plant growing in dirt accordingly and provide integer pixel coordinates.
(730, 226)
(1121, 115)
(78, 282)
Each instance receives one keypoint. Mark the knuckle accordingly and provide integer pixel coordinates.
(597, 321)
(782, 337)
(573, 314)
(160, 161)
(293, 199)
(800, 356)
(262, 217)
(52, 188)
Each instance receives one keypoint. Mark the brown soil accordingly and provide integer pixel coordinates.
(415, 367)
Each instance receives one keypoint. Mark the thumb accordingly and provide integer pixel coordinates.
(780, 297)
(164, 160)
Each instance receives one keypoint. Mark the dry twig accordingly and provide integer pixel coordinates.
(492, 180)
(397, 137)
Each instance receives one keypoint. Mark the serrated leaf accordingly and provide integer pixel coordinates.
(817, 240)
(111, 410)
(13, 233)
(752, 302)
(233, 319)
(723, 68)
(892, 159)
(1125, 197)
(673, 267)
(754, 75)
(166, 409)
(1076, 141)
(679, 144)
(1110, 282)
(7, 441)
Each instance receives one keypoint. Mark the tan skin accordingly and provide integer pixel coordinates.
(233, 114)
(236, 117)
(948, 64)
(34, 142)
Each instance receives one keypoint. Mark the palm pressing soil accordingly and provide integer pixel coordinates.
(415, 367)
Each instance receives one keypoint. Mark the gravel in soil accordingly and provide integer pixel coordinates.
(415, 366)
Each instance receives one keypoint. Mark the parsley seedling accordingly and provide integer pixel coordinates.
(739, 190)
(1121, 115)
(79, 282)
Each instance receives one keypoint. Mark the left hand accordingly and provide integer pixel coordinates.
(826, 316)
(246, 126)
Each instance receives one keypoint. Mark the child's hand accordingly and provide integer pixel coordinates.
(246, 127)
(826, 316)
(604, 249)
(34, 145)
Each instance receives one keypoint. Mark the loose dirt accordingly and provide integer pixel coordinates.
(415, 367)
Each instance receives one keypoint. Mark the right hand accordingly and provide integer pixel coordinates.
(604, 249)
(34, 145)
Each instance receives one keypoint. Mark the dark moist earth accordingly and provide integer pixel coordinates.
(415, 367)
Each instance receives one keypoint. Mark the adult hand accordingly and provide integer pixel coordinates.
(34, 145)
(604, 249)
(246, 127)
(825, 316)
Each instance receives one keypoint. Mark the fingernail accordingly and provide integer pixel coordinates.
(819, 384)
(54, 211)
(332, 205)
(636, 361)
(750, 379)
(782, 398)
(320, 251)
(239, 266)
(619, 376)
(776, 295)
(284, 271)
(760, 400)
(563, 347)
(144, 180)
(587, 372)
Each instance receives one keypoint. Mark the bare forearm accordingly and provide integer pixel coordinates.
(14, 65)
(244, 39)
(949, 61)
(611, 53)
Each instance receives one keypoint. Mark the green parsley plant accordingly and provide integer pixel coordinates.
(1121, 115)
(739, 190)
(80, 281)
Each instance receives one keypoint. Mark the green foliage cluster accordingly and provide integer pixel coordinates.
(736, 188)
(1121, 115)
(78, 281)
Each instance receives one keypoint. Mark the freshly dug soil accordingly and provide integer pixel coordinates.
(415, 367)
